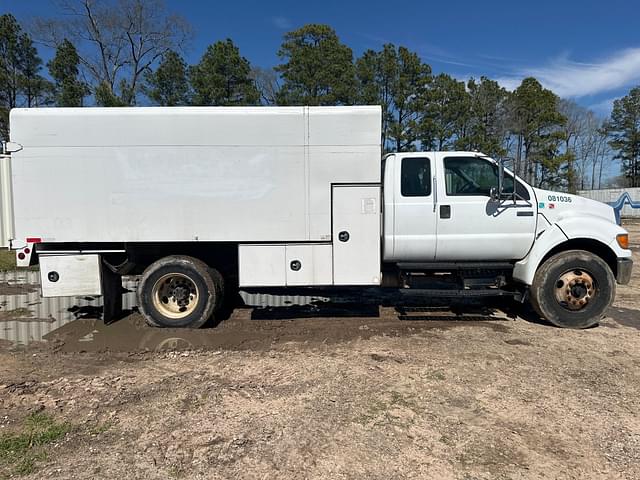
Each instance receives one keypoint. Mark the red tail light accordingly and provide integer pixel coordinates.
(34, 240)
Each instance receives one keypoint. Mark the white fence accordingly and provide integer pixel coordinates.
(610, 195)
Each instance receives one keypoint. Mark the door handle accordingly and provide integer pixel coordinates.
(445, 211)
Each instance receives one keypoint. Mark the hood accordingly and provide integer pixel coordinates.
(556, 206)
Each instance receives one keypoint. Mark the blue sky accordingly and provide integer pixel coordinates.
(586, 50)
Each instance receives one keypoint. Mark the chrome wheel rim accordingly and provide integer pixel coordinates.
(175, 295)
(574, 289)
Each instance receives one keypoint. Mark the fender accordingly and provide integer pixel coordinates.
(571, 227)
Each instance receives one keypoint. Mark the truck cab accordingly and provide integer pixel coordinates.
(438, 207)
(464, 211)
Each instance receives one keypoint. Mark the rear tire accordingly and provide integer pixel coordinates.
(573, 289)
(179, 292)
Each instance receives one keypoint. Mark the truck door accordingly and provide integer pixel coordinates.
(409, 182)
(472, 226)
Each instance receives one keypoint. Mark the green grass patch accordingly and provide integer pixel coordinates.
(7, 260)
(20, 451)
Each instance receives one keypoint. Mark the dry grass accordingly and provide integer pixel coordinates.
(7, 260)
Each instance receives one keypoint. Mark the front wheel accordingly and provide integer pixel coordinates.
(179, 291)
(573, 289)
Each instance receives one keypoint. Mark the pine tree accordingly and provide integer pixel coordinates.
(486, 120)
(317, 69)
(21, 85)
(396, 79)
(446, 112)
(624, 129)
(64, 68)
(536, 122)
(168, 85)
(223, 77)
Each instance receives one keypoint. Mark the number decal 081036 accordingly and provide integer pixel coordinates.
(559, 198)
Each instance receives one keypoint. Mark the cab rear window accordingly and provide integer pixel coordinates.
(416, 177)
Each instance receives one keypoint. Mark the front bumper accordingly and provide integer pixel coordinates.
(624, 271)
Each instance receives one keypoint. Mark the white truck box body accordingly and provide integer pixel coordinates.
(352, 257)
(270, 265)
(241, 174)
(6, 202)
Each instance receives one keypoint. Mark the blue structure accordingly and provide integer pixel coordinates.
(625, 198)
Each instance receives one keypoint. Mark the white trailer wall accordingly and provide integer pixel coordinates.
(256, 174)
(6, 202)
(609, 195)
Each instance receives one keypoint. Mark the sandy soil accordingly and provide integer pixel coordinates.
(338, 392)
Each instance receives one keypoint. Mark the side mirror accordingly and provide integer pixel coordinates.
(494, 193)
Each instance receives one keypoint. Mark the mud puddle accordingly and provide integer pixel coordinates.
(261, 329)
(74, 324)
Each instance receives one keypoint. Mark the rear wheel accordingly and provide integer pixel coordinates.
(179, 291)
(573, 289)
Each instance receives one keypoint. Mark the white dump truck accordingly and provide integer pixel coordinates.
(202, 201)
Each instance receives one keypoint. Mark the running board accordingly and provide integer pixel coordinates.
(456, 293)
(455, 266)
(446, 314)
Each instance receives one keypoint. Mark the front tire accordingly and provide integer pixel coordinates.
(573, 289)
(179, 292)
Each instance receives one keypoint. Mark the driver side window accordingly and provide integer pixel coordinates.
(469, 176)
(473, 176)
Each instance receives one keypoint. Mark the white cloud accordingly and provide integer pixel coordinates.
(510, 83)
(603, 107)
(283, 23)
(573, 79)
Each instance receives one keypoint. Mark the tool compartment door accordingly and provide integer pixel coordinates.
(70, 275)
(262, 265)
(308, 265)
(356, 234)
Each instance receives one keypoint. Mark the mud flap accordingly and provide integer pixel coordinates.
(111, 295)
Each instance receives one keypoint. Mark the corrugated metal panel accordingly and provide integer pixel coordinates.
(608, 195)
(6, 202)
(268, 300)
(27, 317)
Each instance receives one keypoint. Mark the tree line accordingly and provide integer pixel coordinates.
(131, 55)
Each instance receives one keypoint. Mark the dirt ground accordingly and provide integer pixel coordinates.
(331, 392)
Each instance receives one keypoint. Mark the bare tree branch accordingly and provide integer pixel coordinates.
(117, 40)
